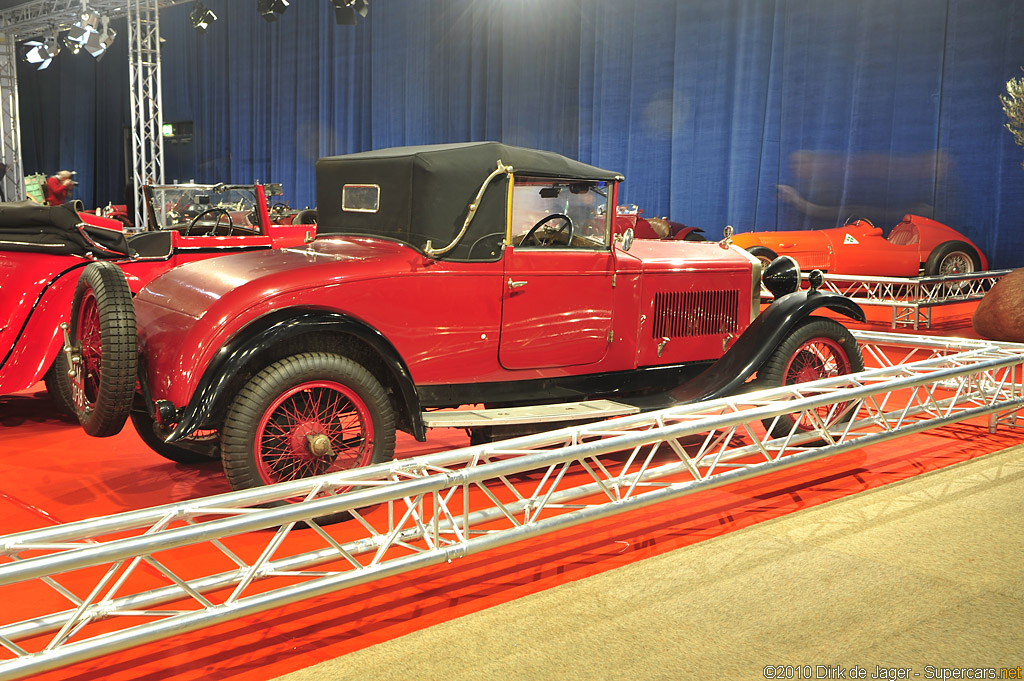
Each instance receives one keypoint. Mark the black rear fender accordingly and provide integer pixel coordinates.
(285, 333)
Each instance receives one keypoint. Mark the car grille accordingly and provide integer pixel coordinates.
(684, 314)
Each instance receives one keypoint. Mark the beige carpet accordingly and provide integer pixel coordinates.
(927, 571)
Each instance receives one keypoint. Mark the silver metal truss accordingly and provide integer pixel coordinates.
(13, 182)
(146, 100)
(31, 19)
(144, 575)
(913, 298)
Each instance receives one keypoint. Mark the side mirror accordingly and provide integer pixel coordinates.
(274, 189)
(626, 239)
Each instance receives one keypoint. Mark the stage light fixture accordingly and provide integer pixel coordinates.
(96, 44)
(201, 18)
(347, 12)
(41, 52)
(269, 9)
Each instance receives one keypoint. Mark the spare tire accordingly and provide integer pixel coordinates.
(102, 378)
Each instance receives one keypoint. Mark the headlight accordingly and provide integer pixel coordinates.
(782, 276)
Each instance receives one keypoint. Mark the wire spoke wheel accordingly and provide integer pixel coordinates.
(817, 348)
(101, 379)
(304, 416)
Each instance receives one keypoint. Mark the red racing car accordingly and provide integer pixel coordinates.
(916, 246)
(43, 250)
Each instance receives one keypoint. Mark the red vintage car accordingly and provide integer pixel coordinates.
(441, 276)
(916, 246)
(43, 250)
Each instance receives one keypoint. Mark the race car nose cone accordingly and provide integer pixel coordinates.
(782, 276)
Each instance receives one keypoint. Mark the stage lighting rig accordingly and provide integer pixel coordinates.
(90, 32)
(269, 9)
(201, 18)
(347, 12)
(41, 52)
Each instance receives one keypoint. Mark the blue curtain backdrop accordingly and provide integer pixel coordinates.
(762, 114)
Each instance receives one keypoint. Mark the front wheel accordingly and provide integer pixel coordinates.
(306, 415)
(817, 348)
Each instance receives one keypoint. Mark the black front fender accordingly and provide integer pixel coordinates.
(753, 348)
(272, 330)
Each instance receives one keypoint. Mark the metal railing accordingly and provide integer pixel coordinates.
(913, 298)
(97, 586)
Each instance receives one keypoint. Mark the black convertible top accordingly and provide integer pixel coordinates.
(30, 226)
(425, 191)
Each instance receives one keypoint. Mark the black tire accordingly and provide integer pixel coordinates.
(817, 348)
(199, 450)
(58, 384)
(305, 217)
(263, 440)
(103, 337)
(952, 257)
(763, 253)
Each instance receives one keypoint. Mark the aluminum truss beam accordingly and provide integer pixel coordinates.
(913, 298)
(146, 100)
(141, 569)
(13, 183)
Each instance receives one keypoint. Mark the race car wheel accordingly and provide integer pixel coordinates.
(58, 386)
(952, 257)
(199, 448)
(102, 384)
(763, 253)
(306, 415)
(817, 348)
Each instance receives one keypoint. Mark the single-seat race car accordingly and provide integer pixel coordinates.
(44, 249)
(441, 276)
(916, 246)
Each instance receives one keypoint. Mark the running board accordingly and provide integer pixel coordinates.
(537, 413)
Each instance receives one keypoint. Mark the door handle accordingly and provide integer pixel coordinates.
(515, 284)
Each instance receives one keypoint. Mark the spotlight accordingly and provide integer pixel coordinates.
(96, 44)
(269, 9)
(201, 18)
(346, 12)
(82, 30)
(41, 52)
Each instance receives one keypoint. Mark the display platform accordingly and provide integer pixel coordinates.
(55, 474)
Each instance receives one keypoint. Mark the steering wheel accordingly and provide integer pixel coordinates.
(213, 230)
(549, 234)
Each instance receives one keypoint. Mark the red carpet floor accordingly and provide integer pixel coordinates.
(53, 473)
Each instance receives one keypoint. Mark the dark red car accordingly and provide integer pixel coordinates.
(441, 276)
(44, 249)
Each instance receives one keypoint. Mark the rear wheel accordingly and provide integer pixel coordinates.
(951, 258)
(817, 348)
(58, 385)
(306, 415)
(763, 253)
(102, 380)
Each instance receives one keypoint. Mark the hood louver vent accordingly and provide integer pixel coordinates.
(694, 313)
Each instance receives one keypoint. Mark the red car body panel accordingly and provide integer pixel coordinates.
(578, 313)
(860, 247)
(38, 288)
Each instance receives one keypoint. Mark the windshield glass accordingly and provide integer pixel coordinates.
(176, 206)
(549, 212)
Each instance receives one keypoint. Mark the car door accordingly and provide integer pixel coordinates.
(557, 297)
